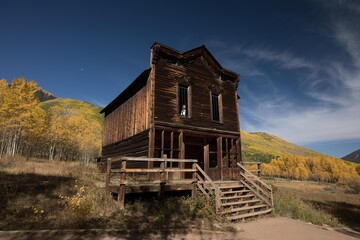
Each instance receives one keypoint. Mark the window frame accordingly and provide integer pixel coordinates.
(189, 103)
(219, 107)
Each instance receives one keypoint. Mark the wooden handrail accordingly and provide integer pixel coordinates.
(153, 170)
(207, 178)
(250, 163)
(258, 185)
(268, 194)
(144, 159)
(216, 189)
(254, 176)
(117, 166)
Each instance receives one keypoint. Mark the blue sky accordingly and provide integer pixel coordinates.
(299, 61)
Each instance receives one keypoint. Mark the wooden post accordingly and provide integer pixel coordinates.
(259, 169)
(238, 150)
(162, 142)
(108, 174)
(206, 158)
(151, 151)
(217, 201)
(182, 154)
(162, 180)
(167, 173)
(171, 146)
(238, 156)
(219, 157)
(121, 193)
(194, 177)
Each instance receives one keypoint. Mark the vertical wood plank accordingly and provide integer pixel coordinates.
(108, 174)
(171, 145)
(219, 157)
(238, 150)
(206, 158)
(121, 193)
(151, 151)
(162, 142)
(162, 180)
(182, 153)
(194, 177)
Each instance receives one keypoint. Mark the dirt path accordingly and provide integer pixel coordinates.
(280, 228)
(277, 228)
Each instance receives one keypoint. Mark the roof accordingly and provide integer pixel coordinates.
(165, 51)
(133, 88)
(161, 50)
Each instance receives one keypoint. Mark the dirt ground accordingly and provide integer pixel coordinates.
(277, 228)
(281, 228)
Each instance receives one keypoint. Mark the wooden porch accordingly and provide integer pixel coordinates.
(236, 199)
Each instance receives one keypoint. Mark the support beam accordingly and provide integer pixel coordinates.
(121, 193)
(219, 157)
(108, 174)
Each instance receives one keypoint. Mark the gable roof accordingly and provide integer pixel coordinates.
(161, 50)
(133, 88)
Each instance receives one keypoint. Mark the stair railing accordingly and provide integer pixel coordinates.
(256, 185)
(206, 185)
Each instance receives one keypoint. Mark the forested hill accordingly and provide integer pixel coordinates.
(353, 157)
(87, 110)
(263, 147)
(57, 128)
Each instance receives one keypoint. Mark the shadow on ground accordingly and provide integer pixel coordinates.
(22, 196)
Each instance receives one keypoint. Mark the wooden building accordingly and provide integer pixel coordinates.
(183, 109)
(184, 106)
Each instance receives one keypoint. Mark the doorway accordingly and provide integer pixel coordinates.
(195, 152)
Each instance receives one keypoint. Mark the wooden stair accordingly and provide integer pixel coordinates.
(238, 200)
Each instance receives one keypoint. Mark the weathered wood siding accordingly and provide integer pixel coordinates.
(202, 80)
(128, 119)
(135, 146)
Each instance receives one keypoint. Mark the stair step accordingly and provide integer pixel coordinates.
(242, 209)
(224, 183)
(236, 192)
(240, 202)
(237, 197)
(231, 186)
(235, 217)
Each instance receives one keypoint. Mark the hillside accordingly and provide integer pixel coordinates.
(353, 157)
(87, 110)
(264, 147)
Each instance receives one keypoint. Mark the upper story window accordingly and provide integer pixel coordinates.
(216, 107)
(184, 100)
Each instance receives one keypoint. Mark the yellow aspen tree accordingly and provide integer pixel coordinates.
(19, 104)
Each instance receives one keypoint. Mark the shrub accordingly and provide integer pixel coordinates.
(294, 207)
(353, 185)
(78, 206)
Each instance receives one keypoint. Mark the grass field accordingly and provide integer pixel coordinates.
(317, 202)
(39, 194)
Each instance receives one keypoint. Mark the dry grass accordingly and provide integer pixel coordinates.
(39, 194)
(317, 202)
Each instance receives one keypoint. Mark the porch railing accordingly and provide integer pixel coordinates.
(261, 189)
(122, 171)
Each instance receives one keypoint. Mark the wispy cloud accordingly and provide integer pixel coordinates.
(333, 84)
(96, 102)
(284, 59)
